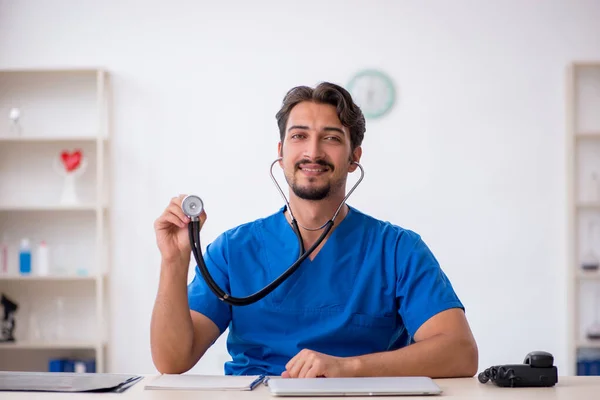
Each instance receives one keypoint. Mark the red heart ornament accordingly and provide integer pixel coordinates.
(72, 160)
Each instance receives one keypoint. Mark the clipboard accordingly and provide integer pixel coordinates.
(66, 382)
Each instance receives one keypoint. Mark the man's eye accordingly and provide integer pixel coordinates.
(297, 136)
(333, 138)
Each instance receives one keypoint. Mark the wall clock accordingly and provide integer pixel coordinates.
(373, 91)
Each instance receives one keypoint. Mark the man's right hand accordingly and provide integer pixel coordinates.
(172, 235)
(179, 336)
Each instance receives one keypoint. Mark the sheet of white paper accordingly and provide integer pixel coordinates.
(202, 382)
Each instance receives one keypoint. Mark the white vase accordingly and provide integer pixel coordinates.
(69, 193)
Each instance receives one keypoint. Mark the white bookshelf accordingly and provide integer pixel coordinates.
(35, 345)
(48, 207)
(583, 202)
(64, 313)
(47, 278)
(50, 139)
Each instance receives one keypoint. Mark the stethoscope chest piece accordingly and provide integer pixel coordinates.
(192, 206)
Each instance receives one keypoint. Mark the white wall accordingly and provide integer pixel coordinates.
(472, 157)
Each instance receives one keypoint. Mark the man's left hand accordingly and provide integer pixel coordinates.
(312, 364)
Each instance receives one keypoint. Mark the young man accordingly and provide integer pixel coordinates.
(371, 300)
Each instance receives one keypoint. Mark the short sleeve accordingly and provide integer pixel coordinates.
(423, 289)
(200, 297)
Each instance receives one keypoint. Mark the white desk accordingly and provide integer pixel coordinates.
(568, 388)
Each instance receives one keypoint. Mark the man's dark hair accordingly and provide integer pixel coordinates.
(349, 113)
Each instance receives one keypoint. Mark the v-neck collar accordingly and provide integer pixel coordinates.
(340, 229)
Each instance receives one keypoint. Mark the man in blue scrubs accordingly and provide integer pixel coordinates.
(371, 300)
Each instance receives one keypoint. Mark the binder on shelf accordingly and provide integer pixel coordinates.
(71, 365)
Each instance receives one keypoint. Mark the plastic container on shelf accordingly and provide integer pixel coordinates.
(42, 266)
(25, 257)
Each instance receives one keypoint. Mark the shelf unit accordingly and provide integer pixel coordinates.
(63, 314)
(47, 278)
(49, 139)
(35, 345)
(47, 207)
(583, 202)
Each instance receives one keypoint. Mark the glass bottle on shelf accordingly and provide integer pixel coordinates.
(593, 332)
(595, 190)
(590, 261)
(15, 127)
(60, 328)
(33, 326)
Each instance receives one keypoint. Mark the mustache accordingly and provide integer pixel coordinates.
(320, 162)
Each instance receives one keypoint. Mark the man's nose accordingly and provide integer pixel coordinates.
(314, 149)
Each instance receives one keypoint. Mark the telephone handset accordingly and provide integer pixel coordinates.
(537, 370)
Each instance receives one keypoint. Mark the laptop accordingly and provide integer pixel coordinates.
(379, 386)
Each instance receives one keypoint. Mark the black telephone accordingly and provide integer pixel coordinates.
(536, 371)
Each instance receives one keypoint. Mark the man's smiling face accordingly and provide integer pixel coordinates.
(316, 151)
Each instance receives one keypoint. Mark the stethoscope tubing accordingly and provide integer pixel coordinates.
(194, 237)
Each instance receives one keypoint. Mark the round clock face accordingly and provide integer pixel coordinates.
(373, 91)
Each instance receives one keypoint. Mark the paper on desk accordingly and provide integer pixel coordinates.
(204, 382)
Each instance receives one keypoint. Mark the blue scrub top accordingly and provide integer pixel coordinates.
(369, 289)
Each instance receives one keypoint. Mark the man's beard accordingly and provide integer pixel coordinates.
(311, 193)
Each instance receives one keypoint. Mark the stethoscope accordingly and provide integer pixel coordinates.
(193, 206)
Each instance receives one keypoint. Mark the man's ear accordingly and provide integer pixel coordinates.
(280, 153)
(356, 154)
